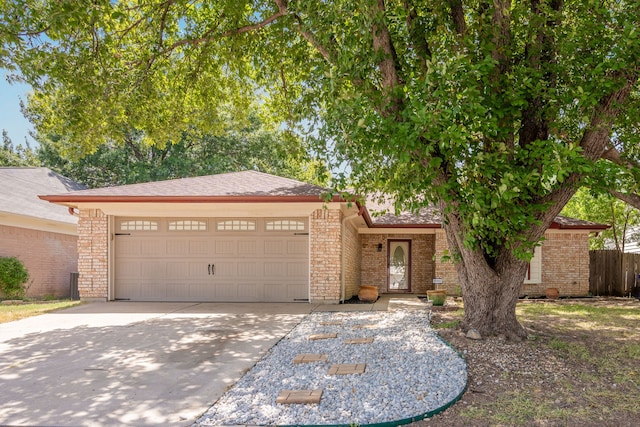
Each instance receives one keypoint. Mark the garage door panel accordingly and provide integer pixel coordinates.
(297, 247)
(275, 292)
(178, 269)
(128, 247)
(297, 269)
(247, 268)
(247, 247)
(274, 269)
(274, 247)
(297, 291)
(200, 292)
(225, 269)
(198, 247)
(128, 269)
(250, 292)
(128, 290)
(177, 247)
(153, 270)
(226, 292)
(225, 247)
(173, 264)
(151, 247)
(198, 269)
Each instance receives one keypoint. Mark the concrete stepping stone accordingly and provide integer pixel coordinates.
(289, 397)
(347, 369)
(315, 337)
(365, 326)
(310, 358)
(359, 341)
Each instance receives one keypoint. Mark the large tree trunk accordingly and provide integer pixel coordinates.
(490, 291)
(490, 298)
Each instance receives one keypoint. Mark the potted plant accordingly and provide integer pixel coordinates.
(368, 293)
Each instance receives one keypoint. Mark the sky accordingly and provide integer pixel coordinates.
(11, 117)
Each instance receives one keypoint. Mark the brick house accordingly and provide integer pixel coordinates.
(250, 236)
(42, 235)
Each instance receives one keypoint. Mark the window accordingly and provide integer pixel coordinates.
(534, 272)
(187, 225)
(138, 225)
(236, 225)
(285, 225)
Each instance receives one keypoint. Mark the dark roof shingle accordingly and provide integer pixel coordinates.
(20, 189)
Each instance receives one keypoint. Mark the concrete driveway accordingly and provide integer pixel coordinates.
(128, 363)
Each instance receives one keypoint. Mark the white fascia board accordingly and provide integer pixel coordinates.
(32, 223)
(201, 210)
(391, 230)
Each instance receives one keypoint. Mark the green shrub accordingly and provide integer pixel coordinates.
(13, 276)
(438, 299)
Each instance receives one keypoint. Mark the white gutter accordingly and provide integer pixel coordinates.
(343, 292)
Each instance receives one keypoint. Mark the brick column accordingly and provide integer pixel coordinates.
(325, 260)
(93, 238)
(445, 270)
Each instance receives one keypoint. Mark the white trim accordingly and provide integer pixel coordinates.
(535, 268)
(32, 223)
(390, 230)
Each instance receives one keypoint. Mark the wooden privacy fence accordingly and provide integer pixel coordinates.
(612, 273)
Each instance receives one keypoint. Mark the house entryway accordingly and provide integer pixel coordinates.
(399, 266)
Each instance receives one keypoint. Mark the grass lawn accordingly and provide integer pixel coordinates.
(579, 367)
(9, 313)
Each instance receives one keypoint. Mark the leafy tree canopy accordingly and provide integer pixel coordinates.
(497, 112)
(250, 147)
(11, 155)
(606, 209)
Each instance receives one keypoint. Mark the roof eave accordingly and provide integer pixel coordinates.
(66, 199)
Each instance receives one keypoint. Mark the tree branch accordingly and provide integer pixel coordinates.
(457, 15)
(595, 139)
(416, 33)
(383, 46)
(208, 36)
(539, 52)
(328, 55)
(612, 154)
(629, 198)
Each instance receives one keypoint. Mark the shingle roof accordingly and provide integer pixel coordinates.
(430, 217)
(253, 186)
(234, 184)
(567, 222)
(20, 189)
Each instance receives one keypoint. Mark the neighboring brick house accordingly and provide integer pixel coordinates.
(42, 235)
(250, 236)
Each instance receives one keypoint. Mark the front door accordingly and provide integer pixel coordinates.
(399, 266)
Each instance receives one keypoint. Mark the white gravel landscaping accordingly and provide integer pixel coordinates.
(409, 372)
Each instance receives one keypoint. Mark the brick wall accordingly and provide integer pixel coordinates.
(352, 260)
(93, 255)
(565, 264)
(445, 270)
(374, 264)
(49, 257)
(325, 255)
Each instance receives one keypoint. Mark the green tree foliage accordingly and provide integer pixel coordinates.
(11, 155)
(13, 276)
(605, 209)
(496, 112)
(251, 147)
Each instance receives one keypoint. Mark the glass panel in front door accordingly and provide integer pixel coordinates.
(398, 266)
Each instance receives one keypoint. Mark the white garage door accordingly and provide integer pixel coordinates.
(211, 259)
